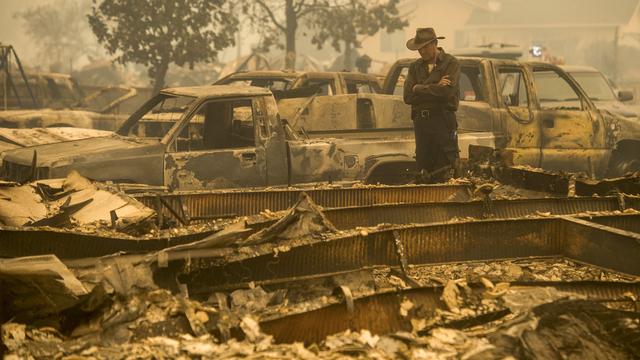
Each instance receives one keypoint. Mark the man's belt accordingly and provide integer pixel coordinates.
(428, 112)
(425, 113)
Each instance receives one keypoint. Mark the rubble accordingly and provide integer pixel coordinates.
(303, 219)
(37, 286)
(156, 325)
(266, 286)
(72, 202)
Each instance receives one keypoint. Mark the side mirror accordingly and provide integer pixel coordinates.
(625, 95)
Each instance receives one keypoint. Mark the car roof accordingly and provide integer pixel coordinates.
(461, 59)
(265, 74)
(578, 68)
(216, 91)
(295, 74)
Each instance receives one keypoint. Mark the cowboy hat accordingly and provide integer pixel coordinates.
(422, 38)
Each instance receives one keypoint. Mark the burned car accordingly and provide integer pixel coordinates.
(283, 83)
(214, 136)
(222, 136)
(321, 102)
(56, 100)
(601, 90)
(540, 116)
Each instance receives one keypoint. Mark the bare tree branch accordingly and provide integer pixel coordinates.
(271, 15)
(309, 8)
(299, 7)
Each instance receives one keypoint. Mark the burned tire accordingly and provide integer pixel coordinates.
(393, 174)
(622, 164)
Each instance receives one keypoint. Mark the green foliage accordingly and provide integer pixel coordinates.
(156, 33)
(347, 21)
(329, 20)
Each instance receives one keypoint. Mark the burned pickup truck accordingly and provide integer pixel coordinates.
(324, 101)
(215, 136)
(539, 116)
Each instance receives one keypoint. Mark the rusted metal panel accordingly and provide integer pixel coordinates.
(235, 203)
(533, 180)
(427, 244)
(65, 244)
(15, 242)
(602, 245)
(350, 217)
(627, 223)
(380, 313)
(560, 183)
(627, 185)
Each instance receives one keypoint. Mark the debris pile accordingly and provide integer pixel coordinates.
(540, 323)
(293, 284)
(72, 202)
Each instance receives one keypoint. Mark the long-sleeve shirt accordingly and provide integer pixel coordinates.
(428, 94)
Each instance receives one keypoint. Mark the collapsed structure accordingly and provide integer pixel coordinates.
(422, 271)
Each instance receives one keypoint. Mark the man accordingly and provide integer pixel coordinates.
(431, 88)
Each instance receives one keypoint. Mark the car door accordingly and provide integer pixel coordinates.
(216, 148)
(572, 130)
(518, 117)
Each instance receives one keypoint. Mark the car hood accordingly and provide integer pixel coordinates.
(93, 149)
(41, 136)
(616, 107)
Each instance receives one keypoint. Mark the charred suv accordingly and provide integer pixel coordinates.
(215, 136)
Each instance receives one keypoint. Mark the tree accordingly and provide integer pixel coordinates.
(278, 17)
(156, 33)
(60, 30)
(272, 18)
(346, 21)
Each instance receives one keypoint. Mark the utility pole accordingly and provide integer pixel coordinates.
(4, 59)
(616, 40)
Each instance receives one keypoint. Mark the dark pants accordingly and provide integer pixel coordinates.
(436, 144)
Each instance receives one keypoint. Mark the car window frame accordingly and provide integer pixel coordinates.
(586, 103)
(193, 111)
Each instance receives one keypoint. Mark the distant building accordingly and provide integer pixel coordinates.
(585, 32)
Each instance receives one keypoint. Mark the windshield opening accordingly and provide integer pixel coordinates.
(595, 85)
(277, 84)
(157, 116)
(554, 92)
